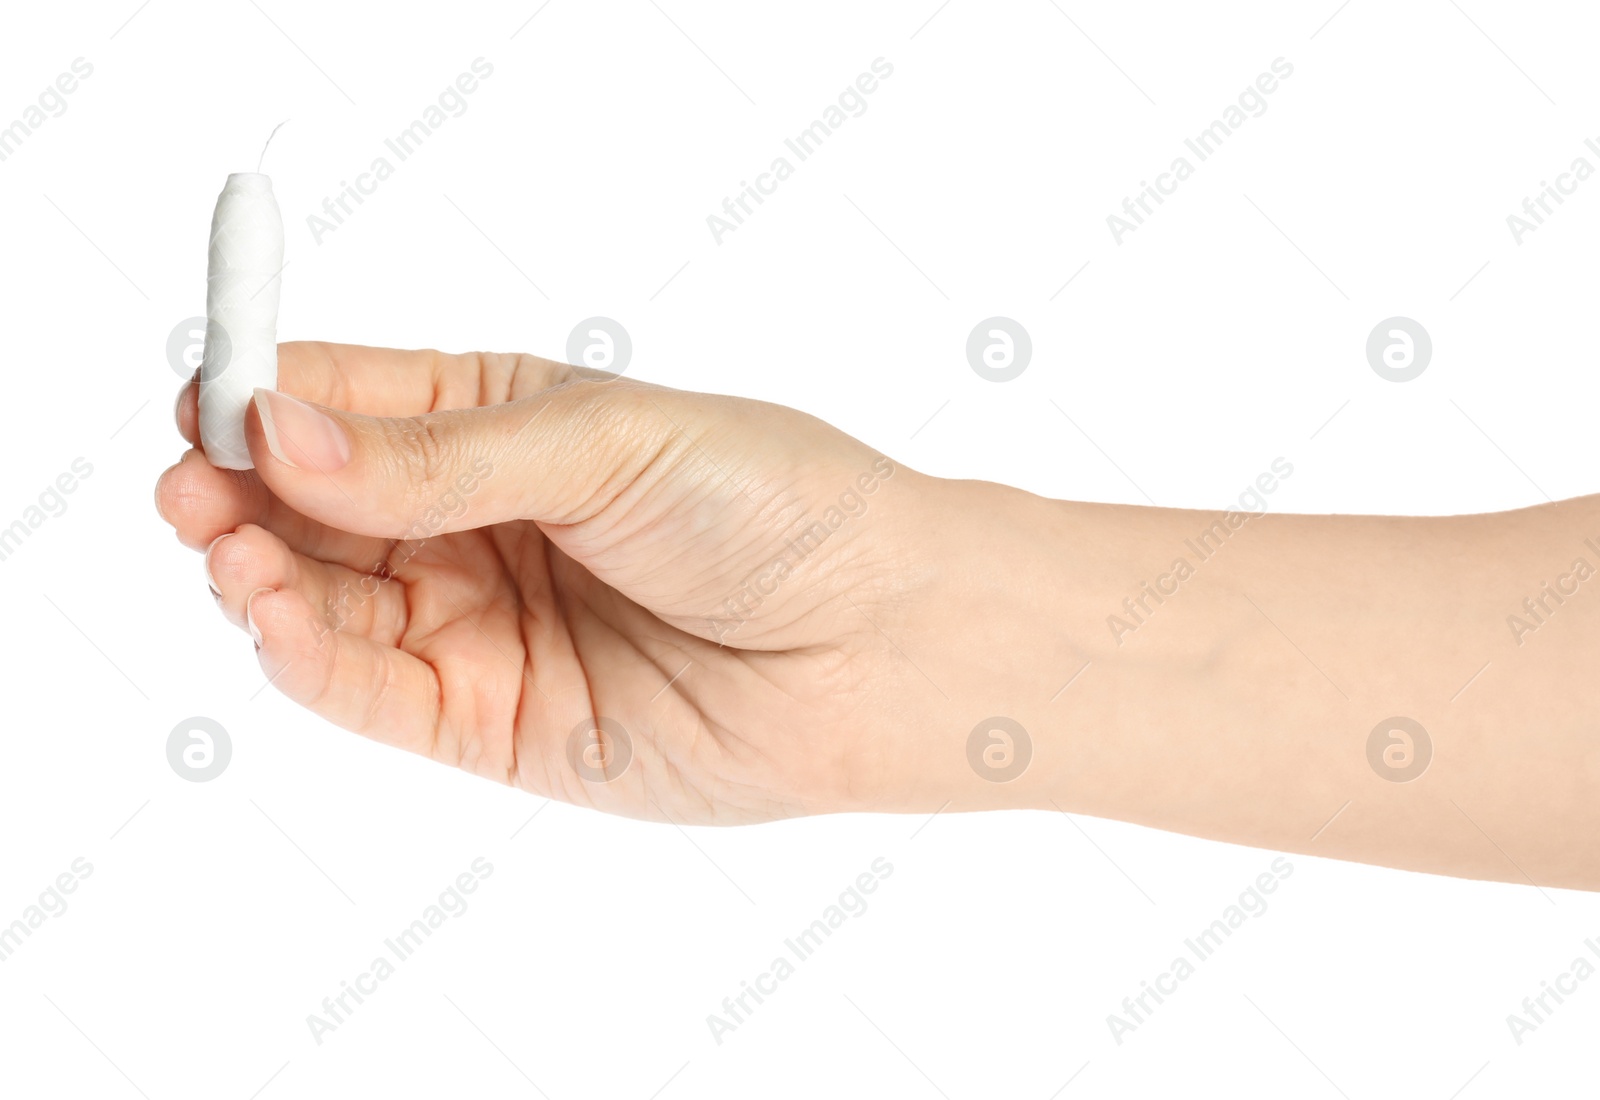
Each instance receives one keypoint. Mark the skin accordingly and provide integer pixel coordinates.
(648, 555)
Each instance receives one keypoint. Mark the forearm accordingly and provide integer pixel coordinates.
(1234, 695)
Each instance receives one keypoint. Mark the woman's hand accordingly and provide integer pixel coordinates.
(488, 559)
(656, 602)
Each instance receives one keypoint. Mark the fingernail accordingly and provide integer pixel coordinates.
(314, 439)
(211, 578)
(250, 616)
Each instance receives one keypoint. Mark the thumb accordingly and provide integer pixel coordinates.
(558, 456)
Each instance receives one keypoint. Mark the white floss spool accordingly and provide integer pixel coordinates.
(241, 350)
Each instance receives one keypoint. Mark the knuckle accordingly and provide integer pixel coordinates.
(624, 438)
(424, 450)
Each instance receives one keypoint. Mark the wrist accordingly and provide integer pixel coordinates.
(984, 649)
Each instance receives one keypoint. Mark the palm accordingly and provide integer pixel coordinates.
(529, 649)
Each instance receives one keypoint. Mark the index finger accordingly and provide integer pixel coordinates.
(390, 382)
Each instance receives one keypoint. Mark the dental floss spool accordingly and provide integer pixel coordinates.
(241, 349)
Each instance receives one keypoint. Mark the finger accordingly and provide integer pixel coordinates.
(559, 456)
(252, 558)
(353, 682)
(202, 502)
(187, 411)
(388, 382)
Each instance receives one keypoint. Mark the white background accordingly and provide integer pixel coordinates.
(1225, 332)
